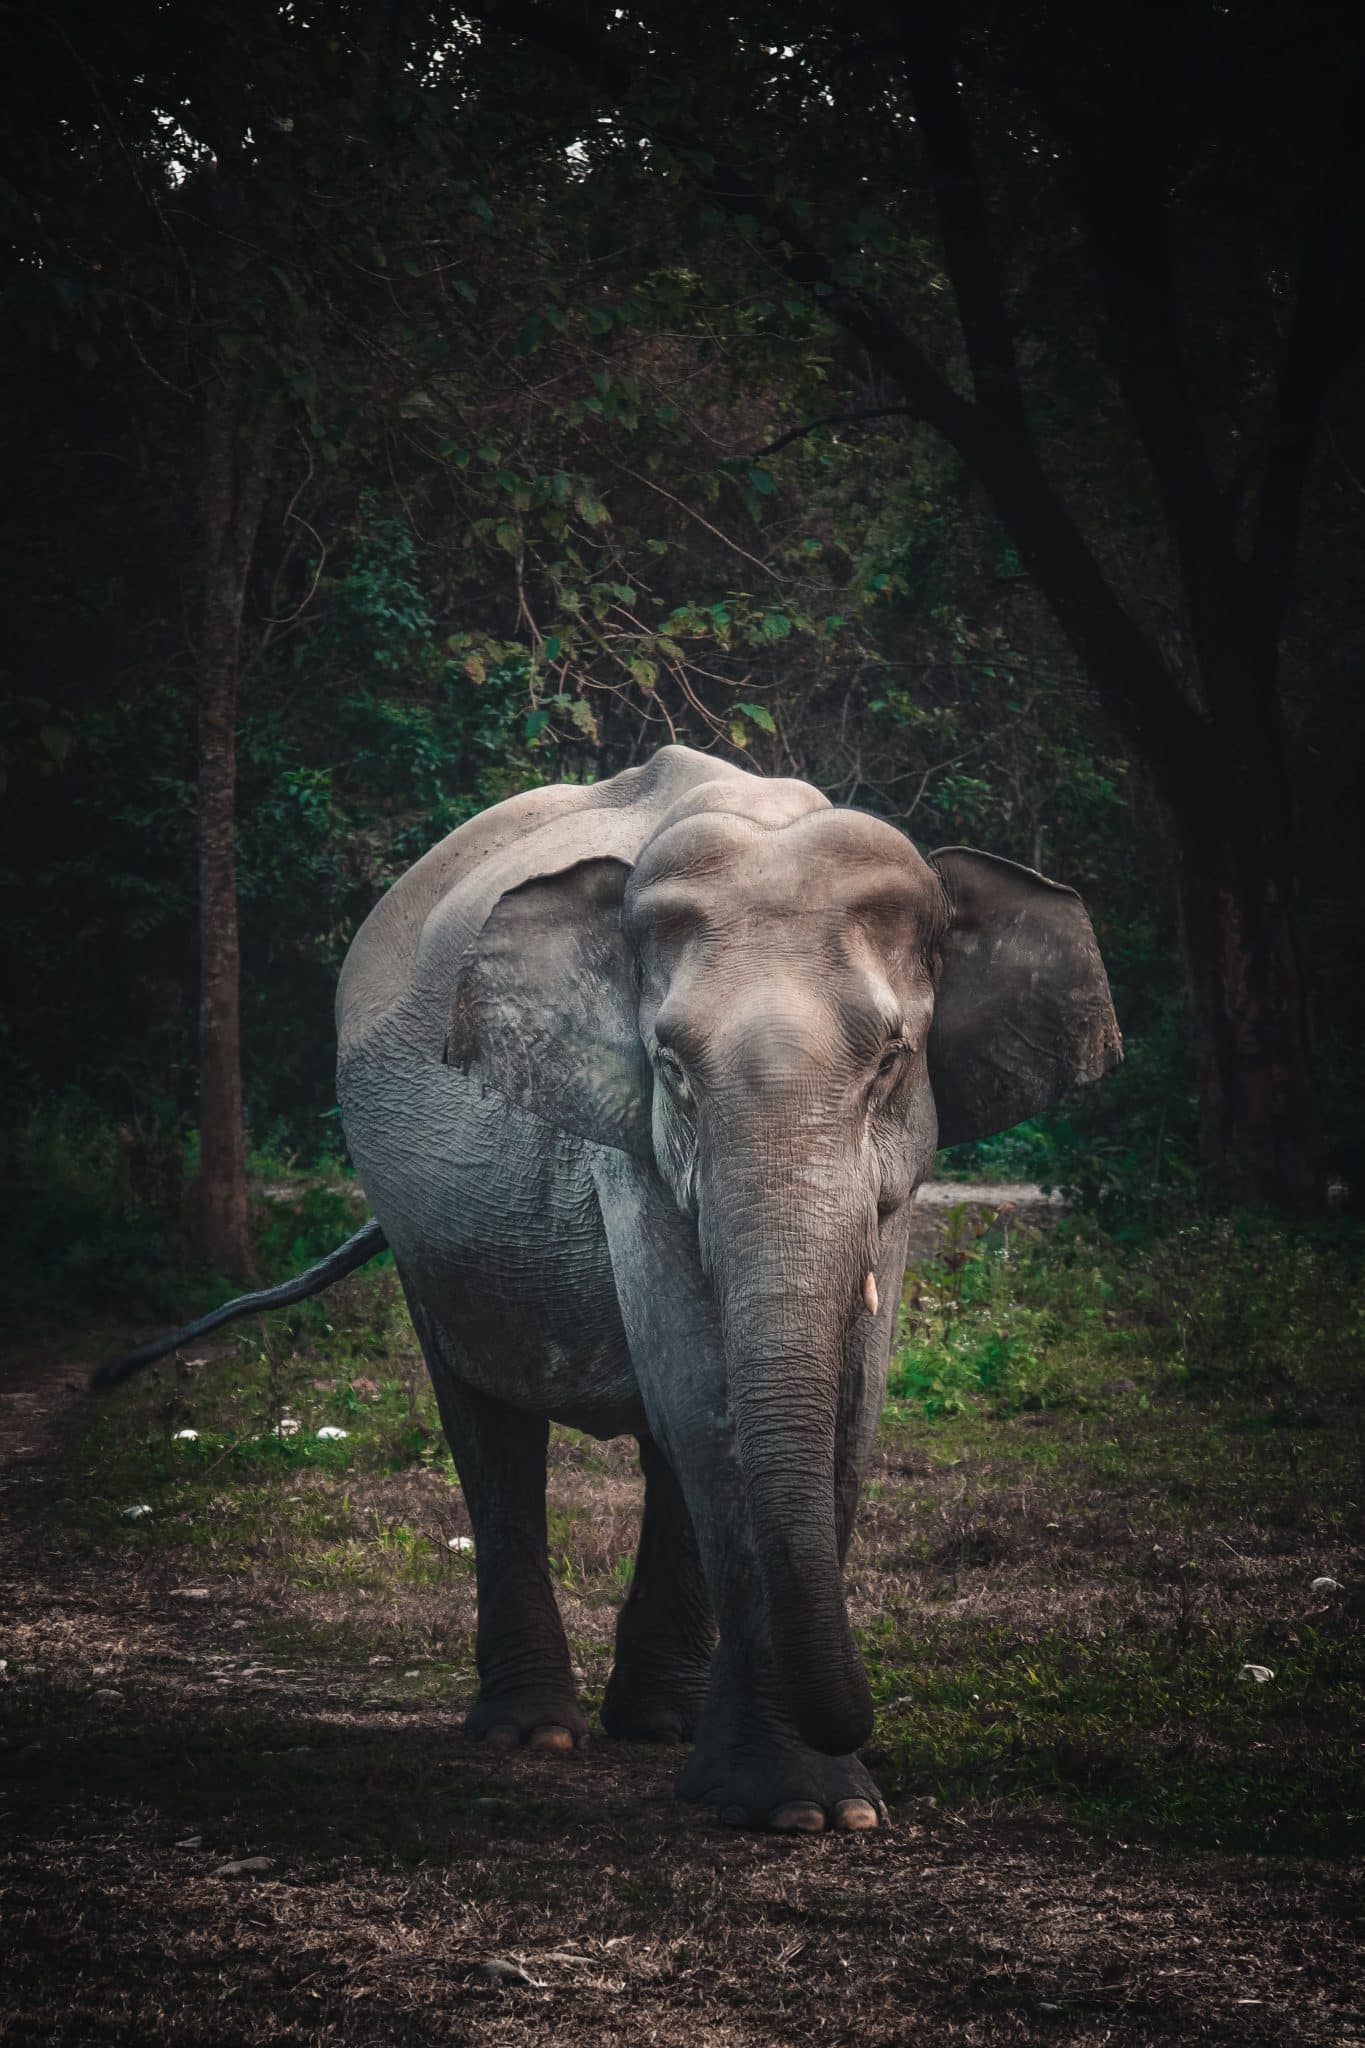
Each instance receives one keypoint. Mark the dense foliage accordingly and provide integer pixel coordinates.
(544, 491)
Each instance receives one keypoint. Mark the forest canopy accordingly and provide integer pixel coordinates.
(408, 406)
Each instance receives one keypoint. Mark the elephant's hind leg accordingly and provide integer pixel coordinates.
(665, 1634)
(526, 1687)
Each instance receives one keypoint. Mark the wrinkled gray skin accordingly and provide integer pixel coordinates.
(640, 1080)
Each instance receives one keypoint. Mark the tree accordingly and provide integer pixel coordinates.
(1137, 133)
(192, 242)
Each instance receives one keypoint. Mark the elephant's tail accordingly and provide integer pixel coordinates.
(367, 1242)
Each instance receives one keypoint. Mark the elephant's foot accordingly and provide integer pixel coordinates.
(531, 1718)
(660, 1707)
(774, 1781)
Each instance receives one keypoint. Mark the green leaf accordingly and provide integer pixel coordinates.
(530, 338)
(553, 647)
(536, 722)
(761, 481)
(759, 715)
(584, 717)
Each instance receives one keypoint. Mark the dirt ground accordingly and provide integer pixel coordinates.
(411, 1891)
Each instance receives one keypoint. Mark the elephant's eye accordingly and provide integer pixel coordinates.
(892, 1057)
(671, 1068)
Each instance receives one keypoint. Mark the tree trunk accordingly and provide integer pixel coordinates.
(235, 474)
(1251, 1009)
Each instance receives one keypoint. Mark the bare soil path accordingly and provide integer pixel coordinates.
(155, 1737)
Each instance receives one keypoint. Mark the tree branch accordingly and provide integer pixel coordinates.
(1325, 332)
(832, 419)
(1119, 175)
(1125, 665)
(964, 229)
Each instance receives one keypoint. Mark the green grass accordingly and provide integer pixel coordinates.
(1113, 1468)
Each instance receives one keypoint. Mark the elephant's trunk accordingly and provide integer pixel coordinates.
(789, 1248)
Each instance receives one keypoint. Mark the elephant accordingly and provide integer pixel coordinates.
(640, 1078)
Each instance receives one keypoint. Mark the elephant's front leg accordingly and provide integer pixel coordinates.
(665, 1634)
(526, 1685)
(749, 1763)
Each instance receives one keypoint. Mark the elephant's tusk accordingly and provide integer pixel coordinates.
(870, 1294)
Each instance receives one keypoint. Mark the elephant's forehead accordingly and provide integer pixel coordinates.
(806, 857)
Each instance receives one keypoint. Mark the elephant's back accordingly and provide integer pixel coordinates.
(456, 883)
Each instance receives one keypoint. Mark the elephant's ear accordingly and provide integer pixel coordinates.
(1023, 1011)
(545, 1006)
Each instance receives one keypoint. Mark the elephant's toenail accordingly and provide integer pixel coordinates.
(550, 1738)
(734, 1816)
(798, 1818)
(851, 1814)
(504, 1736)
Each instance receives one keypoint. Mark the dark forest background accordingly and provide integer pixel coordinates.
(404, 407)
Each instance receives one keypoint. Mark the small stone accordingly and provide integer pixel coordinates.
(499, 1975)
(187, 1436)
(190, 1593)
(237, 1624)
(107, 1696)
(412, 1674)
(1325, 1585)
(190, 1842)
(245, 1866)
(380, 1660)
(1257, 1674)
(135, 1513)
(289, 1425)
(459, 1543)
(330, 1434)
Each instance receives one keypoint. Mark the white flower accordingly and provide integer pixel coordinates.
(330, 1434)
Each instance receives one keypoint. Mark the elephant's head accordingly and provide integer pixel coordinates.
(789, 1009)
